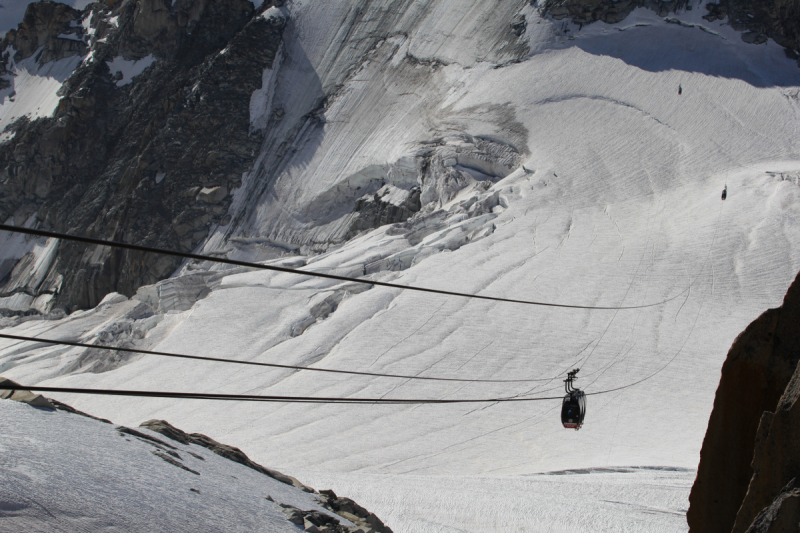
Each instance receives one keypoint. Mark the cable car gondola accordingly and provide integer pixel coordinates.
(573, 409)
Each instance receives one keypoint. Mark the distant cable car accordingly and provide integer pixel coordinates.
(573, 409)
(725, 192)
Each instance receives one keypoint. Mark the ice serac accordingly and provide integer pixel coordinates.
(327, 153)
(754, 429)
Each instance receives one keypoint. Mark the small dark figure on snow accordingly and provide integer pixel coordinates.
(680, 89)
(725, 192)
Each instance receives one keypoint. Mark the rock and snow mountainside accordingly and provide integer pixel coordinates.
(63, 470)
(140, 136)
(472, 146)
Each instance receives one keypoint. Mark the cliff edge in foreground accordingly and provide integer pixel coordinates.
(748, 479)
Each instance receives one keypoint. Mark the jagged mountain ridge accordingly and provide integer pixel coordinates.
(759, 20)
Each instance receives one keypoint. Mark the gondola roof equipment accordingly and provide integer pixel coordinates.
(573, 408)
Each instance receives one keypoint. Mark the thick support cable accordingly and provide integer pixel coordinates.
(260, 398)
(256, 363)
(286, 270)
(290, 399)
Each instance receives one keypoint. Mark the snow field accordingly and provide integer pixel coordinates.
(625, 499)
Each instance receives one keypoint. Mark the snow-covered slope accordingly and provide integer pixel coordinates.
(615, 499)
(613, 198)
(66, 472)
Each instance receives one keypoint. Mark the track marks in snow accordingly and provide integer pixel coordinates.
(409, 335)
(606, 99)
(645, 508)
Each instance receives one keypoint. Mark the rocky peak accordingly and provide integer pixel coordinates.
(47, 26)
(160, 27)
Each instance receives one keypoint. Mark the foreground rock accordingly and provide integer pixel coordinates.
(156, 467)
(24, 396)
(750, 460)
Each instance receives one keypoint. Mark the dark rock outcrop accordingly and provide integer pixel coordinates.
(24, 396)
(778, 20)
(610, 11)
(150, 161)
(773, 496)
(349, 509)
(47, 25)
(760, 20)
(316, 522)
(752, 446)
(783, 514)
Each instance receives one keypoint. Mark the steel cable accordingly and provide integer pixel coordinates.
(286, 270)
(256, 363)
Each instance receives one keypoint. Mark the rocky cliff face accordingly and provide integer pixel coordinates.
(772, 502)
(750, 460)
(151, 160)
(47, 31)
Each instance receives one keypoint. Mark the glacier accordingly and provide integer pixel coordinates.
(570, 170)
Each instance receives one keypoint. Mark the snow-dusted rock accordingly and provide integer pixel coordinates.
(68, 471)
(212, 195)
(24, 396)
(113, 298)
